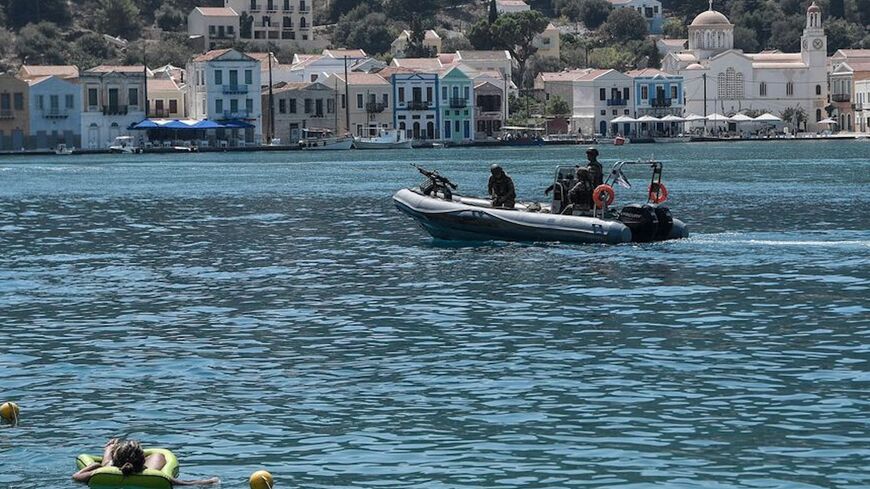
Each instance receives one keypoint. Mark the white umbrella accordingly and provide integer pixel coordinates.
(672, 118)
(648, 118)
(767, 117)
(693, 117)
(717, 118)
(623, 119)
(827, 121)
(741, 118)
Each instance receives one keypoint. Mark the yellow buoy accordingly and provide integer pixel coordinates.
(9, 411)
(262, 480)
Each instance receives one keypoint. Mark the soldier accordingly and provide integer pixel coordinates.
(501, 188)
(580, 195)
(595, 169)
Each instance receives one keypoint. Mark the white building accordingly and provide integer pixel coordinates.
(55, 112)
(431, 40)
(769, 81)
(113, 98)
(282, 22)
(595, 96)
(313, 67)
(215, 26)
(651, 10)
(224, 86)
(511, 6)
(846, 67)
(862, 106)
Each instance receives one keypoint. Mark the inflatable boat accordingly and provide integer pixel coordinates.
(450, 216)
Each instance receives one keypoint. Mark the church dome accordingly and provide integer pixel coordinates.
(710, 17)
(695, 66)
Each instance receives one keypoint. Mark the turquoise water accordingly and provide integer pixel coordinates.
(275, 311)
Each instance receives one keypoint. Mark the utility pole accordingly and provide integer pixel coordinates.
(346, 99)
(145, 74)
(271, 104)
(704, 76)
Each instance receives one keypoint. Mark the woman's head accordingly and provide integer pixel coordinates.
(129, 457)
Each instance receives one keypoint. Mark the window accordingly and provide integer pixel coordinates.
(789, 88)
(466, 93)
(302, 22)
(18, 98)
(173, 106)
(219, 105)
(286, 4)
(211, 30)
(249, 77)
(625, 92)
(70, 101)
(54, 102)
(401, 94)
(330, 106)
(39, 104)
(818, 89)
(455, 92)
(385, 100)
(429, 93)
(253, 4)
(282, 106)
(292, 105)
(230, 30)
(730, 84)
(444, 93)
(249, 105)
(602, 94)
(218, 77)
(5, 101)
(762, 89)
(467, 129)
(343, 101)
(603, 112)
(234, 106)
(818, 114)
(308, 106)
(673, 91)
(318, 107)
(359, 101)
(644, 92)
(92, 97)
(133, 96)
(446, 129)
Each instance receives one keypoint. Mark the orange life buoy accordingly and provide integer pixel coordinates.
(658, 193)
(603, 195)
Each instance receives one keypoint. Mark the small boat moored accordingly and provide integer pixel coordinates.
(385, 139)
(447, 215)
(63, 149)
(124, 144)
(324, 139)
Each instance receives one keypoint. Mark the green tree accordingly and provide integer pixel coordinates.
(675, 28)
(745, 39)
(516, 33)
(90, 50)
(557, 106)
(480, 35)
(493, 12)
(362, 28)
(408, 10)
(22, 12)
(118, 18)
(626, 24)
(246, 24)
(458, 43)
(593, 13)
(611, 58)
(795, 117)
(170, 18)
(171, 49)
(41, 43)
(785, 34)
(842, 34)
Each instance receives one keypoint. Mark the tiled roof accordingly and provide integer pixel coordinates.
(116, 69)
(62, 71)
(419, 63)
(483, 55)
(564, 75)
(216, 11)
(359, 78)
(674, 42)
(161, 85)
(213, 54)
(646, 72)
(389, 71)
(340, 53)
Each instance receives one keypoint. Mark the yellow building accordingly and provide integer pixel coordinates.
(14, 113)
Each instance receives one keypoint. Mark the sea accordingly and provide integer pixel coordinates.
(273, 310)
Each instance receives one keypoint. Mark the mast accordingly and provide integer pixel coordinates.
(346, 99)
(704, 76)
(144, 73)
(271, 104)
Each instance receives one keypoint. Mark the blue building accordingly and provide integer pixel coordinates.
(417, 106)
(657, 94)
(55, 112)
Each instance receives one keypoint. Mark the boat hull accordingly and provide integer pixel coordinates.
(328, 146)
(382, 145)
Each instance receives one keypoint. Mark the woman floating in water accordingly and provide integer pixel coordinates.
(130, 459)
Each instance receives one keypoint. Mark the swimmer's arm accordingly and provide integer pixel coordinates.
(213, 480)
(85, 474)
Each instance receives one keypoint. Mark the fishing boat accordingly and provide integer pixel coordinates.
(447, 215)
(63, 149)
(384, 139)
(124, 144)
(324, 139)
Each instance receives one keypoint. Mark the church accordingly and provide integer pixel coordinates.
(721, 79)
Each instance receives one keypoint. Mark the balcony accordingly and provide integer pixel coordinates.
(857, 106)
(458, 103)
(114, 110)
(660, 102)
(418, 105)
(617, 102)
(255, 7)
(487, 111)
(229, 89)
(239, 114)
(841, 97)
(55, 113)
(375, 107)
(7, 114)
(221, 36)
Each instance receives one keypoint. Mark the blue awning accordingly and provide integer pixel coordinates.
(236, 124)
(181, 124)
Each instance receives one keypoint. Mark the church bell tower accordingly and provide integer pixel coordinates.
(814, 43)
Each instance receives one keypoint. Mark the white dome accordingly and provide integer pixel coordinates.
(694, 66)
(710, 17)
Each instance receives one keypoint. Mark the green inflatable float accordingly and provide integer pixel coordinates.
(112, 478)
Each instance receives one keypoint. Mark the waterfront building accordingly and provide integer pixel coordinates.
(313, 67)
(431, 40)
(847, 66)
(489, 115)
(371, 103)
(734, 81)
(166, 99)
(224, 86)
(282, 22)
(417, 108)
(113, 99)
(651, 10)
(511, 6)
(595, 96)
(547, 42)
(298, 106)
(213, 27)
(862, 105)
(55, 112)
(457, 107)
(14, 113)
(500, 61)
(656, 94)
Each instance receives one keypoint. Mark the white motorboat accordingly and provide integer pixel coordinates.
(385, 139)
(446, 215)
(324, 139)
(124, 144)
(62, 149)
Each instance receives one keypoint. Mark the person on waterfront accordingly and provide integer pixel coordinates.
(129, 457)
(501, 188)
(580, 195)
(596, 171)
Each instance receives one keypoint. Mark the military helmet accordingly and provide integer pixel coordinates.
(592, 151)
(496, 169)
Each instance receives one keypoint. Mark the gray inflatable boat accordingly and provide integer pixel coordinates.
(450, 216)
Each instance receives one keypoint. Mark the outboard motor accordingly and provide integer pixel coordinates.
(643, 222)
(666, 221)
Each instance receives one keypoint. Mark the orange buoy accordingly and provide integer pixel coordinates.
(658, 193)
(603, 195)
(261, 479)
(9, 411)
